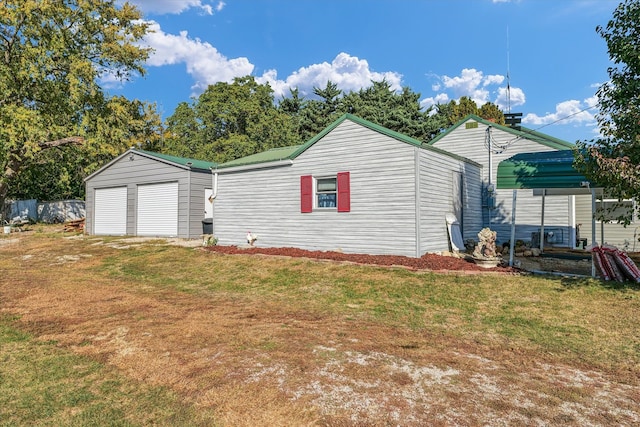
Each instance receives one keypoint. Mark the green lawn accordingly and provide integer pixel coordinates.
(46, 377)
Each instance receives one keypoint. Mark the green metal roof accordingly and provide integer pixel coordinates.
(524, 133)
(542, 170)
(183, 161)
(275, 154)
(292, 152)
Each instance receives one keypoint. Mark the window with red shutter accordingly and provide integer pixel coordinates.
(344, 192)
(306, 193)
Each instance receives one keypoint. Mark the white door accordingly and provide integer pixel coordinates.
(208, 203)
(110, 211)
(158, 209)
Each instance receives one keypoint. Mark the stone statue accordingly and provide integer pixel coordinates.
(486, 247)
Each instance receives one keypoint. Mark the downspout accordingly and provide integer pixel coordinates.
(188, 201)
(214, 193)
(214, 183)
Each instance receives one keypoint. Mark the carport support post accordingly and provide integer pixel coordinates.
(512, 242)
(593, 230)
(544, 193)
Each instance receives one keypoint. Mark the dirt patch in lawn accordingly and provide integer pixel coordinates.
(263, 363)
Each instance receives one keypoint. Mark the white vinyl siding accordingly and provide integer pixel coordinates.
(614, 234)
(110, 217)
(132, 170)
(470, 143)
(436, 177)
(382, 215)
(158, 209)
(383, 195)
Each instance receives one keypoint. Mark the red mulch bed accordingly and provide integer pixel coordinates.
(426, 262)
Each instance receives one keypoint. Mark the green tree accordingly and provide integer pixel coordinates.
(317, 114)
(52, 54)
(117, 125)
(491, 112)
(182, 135)
(454, 111)
(398, 111)
(614, 159)
(229, 120)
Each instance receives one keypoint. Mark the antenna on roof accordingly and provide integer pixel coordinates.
(510, 119)
(508, 77)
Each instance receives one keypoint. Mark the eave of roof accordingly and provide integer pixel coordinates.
(272, 155)
(524, 133)
(181, 161)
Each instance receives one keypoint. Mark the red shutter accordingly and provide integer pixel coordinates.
(344, 192)
(306, 193)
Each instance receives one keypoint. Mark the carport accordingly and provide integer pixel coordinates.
(546, 173)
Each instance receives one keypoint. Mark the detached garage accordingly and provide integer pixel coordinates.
(142, 193)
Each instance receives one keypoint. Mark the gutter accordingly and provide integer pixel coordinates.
(265, 165)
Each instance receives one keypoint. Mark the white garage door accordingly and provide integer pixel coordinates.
(110, 211)
(158, 209)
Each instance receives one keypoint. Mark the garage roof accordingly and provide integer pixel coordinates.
(182, 161)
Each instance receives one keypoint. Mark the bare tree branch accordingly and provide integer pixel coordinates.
(64, 141)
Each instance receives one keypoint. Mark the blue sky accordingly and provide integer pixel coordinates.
(442, 49)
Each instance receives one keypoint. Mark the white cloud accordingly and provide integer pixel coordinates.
(495, 79)
(465, 84)
(207, 65)
(572, 111)
(177, 6)
(476, 85)
(203, 61)
(349, 72)
(512, 98)
(441, 98)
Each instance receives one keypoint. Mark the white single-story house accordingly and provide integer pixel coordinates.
(356, 187)
(141, 193)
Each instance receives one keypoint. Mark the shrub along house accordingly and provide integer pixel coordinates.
(356, 187)
(141, 193)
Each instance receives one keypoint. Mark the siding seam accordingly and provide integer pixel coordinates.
(417, 199)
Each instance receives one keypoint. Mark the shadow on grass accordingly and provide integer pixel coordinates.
(573, 283)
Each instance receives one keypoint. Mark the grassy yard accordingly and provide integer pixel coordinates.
(113, 331)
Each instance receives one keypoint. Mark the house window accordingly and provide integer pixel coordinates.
(325, 192)
(611, 210)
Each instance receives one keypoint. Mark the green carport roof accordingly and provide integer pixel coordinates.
(541, 170)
